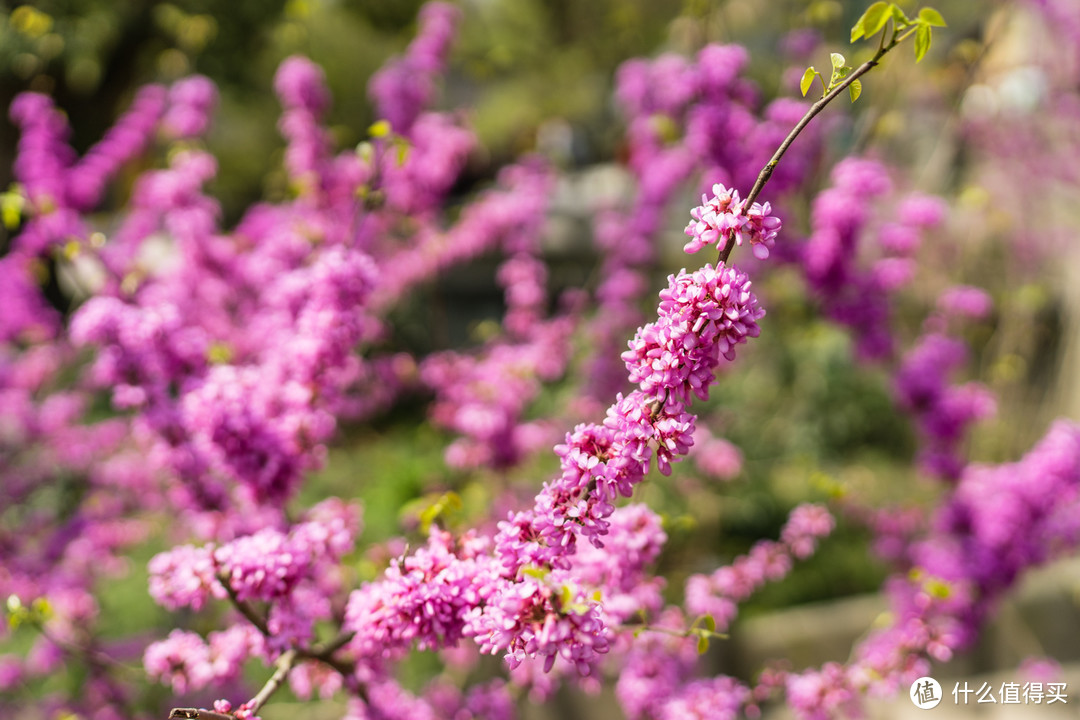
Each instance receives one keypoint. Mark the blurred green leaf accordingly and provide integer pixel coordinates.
(930, 16)
(871, 22)
(807, 80)
(922, 41)
(379, 129)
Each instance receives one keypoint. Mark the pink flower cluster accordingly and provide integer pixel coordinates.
(491, 220)
(716, 457)
(723, 219)
(404, 86)
(188, 663)
(682, 114)
(832, 257)
(484, 397)
(703, 316)
(295, 571)
(532, 619)
(422, 599)
(998, 522)
(943, 412)
(719, 594)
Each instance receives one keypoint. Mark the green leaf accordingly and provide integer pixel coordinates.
(11, 208)
(837, 60)
(871, 21)
(366, 151)
(702, 644)
(855, 89)
(533, 571)
(901, 19)
(42, 608)
(219, 352)
(937, 589)
(17, 612)
(807, 80)
(922, 41)
(402, 152)
(930, 16)
(379, 129)
(566, 597)
(710, 623)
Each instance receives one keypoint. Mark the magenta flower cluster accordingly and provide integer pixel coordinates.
(719, 594)
(999, 521)
(723, 221)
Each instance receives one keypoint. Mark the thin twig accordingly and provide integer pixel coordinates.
(243, 606)
(282, 668)
(325, 654)
(817, 107)
(197, 714)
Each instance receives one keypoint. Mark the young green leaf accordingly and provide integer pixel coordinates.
(379, 129)
(710, 623)
(807, 80)
(402, 148)
(930, 16)
(12, 204)
(871, 21)
(901, 19)
(837, 60)
(855, 89)
(365, 151)
(922, 41)
(42, 608)
(702, 644)
(566, 596)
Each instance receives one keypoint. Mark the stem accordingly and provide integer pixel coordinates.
(282, 668)
(197, 714)
(245, 608)
(817, 107)
(323, 653)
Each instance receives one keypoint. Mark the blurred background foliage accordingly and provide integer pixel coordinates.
(519, 65)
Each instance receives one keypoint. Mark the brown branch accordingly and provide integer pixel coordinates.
(197, 714)
(325, 654)
(282, 668)
(243, 606)
(817, 107)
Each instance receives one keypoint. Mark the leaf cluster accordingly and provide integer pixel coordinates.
(18, 613)
(878, 15)
(875, 20)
